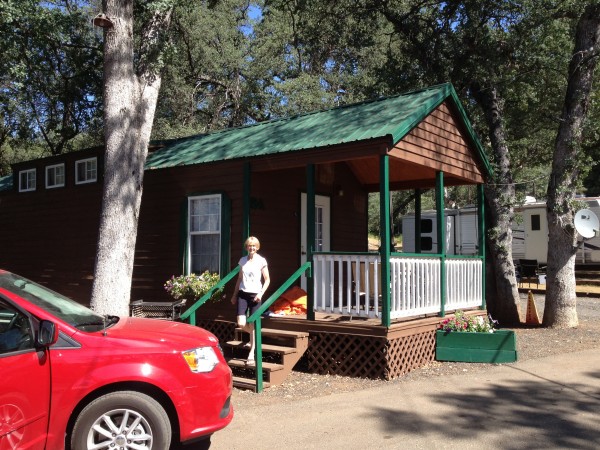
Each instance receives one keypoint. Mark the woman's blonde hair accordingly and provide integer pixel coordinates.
(252, 240)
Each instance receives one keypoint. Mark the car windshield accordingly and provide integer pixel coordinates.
(60, 306)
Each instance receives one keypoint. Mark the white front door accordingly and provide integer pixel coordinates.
(322, 228)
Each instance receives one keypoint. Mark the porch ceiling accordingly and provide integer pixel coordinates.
(402, 175)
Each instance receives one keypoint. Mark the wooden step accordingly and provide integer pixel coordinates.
(266, 366)
(587, 282)
(282, 350)
(247, 383)
(282, 338)
(284, 333)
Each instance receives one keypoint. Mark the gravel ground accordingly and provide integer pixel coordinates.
(531, 343)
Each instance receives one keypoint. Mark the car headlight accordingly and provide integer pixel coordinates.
(202, 359)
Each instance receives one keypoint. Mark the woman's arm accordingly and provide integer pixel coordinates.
(237, 288)
(265, 274)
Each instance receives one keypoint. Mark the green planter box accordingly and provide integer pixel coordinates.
(497, 347)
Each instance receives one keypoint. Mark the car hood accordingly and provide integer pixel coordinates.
(177, 335)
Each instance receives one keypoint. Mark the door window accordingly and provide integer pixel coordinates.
(15, 330)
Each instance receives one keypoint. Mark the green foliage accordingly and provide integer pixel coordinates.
(50, 74)
(233, 62)
(210, 81)
(468, 324)
(192, 287)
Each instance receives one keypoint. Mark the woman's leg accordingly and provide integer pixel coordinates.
(248, 328)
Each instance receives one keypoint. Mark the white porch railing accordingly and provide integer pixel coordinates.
(415, 284)
(350, 284)
(464, 284)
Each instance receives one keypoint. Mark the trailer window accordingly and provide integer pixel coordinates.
(426, 226)
(27, 180)
(535, 222)
(426, 244)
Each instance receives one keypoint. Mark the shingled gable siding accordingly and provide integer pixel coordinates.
(438, 143)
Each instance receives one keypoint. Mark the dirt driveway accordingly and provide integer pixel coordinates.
(275, 411)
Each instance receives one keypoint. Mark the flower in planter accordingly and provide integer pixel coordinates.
(468, 324)
(191, 287)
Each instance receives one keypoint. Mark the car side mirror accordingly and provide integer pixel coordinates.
(47, 334)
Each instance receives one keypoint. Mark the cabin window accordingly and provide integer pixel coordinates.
(86, 171)
(55, 176)
(204, 233)
(27, 180)
(535, 222)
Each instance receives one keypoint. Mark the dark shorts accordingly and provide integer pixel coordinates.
(245, 303)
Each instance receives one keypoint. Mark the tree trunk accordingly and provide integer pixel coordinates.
(503, 302)
(561, 302)
(129, 106)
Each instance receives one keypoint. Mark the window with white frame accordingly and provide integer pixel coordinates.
(27, 180)
(204, 240)
(86, 171)
(55, 176)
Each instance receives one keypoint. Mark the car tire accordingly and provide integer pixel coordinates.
(117, 418)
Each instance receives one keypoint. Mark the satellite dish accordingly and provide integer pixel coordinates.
(586, 223)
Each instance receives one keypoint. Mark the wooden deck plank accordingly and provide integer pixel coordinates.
(265, 347)
(266, 366)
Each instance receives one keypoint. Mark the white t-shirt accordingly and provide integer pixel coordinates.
(252, 273)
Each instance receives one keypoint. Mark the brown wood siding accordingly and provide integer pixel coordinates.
(274, 218)
(161, 235)
(349, 212)
(53, 241)
(50, 235)
(438, 143)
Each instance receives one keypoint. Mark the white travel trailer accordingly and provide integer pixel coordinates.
(530, 234)
(461, 232)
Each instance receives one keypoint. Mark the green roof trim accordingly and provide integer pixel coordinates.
(391, 117)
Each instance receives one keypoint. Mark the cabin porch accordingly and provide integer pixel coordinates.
(338, 345)
(347, 309)
(368, 314)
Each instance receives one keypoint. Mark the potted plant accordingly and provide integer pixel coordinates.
(465, 338)
(193, 286)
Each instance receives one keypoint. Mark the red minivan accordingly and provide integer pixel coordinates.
(70, 378)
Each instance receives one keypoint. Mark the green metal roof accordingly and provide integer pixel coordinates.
(391, 116)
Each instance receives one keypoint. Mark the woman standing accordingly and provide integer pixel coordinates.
(249, 288)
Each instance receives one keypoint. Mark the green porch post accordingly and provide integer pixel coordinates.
(246, 205)
(384, 230)
(441, 233)
(258, 355)
(310, 239)
(481, 231)
(418, 193)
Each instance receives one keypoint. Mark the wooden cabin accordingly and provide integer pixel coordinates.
(369, 314)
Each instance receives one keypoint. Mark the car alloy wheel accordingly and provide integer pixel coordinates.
(122, 421)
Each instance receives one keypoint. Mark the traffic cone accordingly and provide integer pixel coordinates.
(532, 317)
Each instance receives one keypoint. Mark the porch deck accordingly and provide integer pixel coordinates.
(357, 347)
